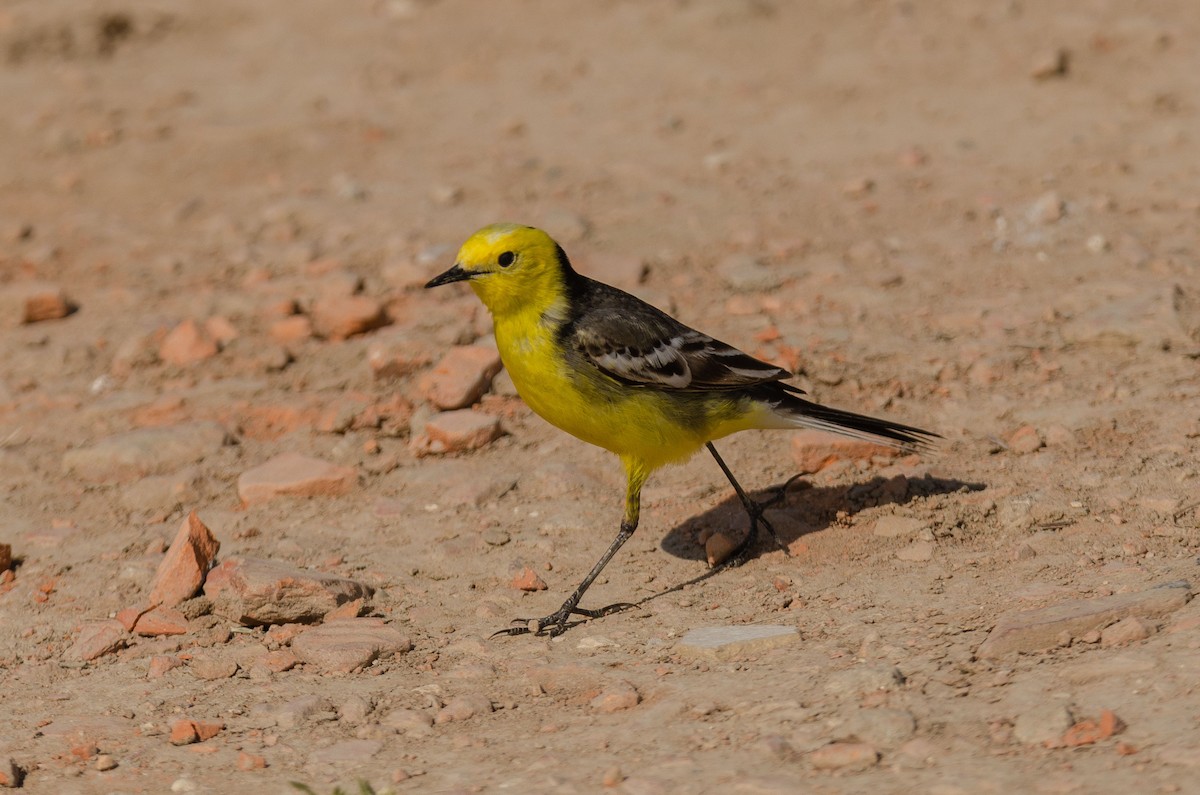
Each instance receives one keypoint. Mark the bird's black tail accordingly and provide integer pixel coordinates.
(802, 413)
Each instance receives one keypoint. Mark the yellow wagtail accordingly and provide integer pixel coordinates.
(614, 371)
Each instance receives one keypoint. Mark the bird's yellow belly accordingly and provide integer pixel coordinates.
(628, 421)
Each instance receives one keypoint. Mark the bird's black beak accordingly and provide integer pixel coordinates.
(455, 274)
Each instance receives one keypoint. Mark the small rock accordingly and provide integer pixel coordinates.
(409, 721)
(615, 698)
(391, 354)
(731, 642)
(844, 756)
(254, 591)
(1088, 732)
(1055, 63)
(1042, 723)
(1039, 629)
(815, 450)
(718, 547)
(160, 664)
(105, 762)
(153, 622)
(612, 777)
(296, 328)
(348, 644)
(1127, 630)
(354, 709)
(187, 344)
(279, 660)
(32, 302)
(1025, 440)
(462, 708)
(528, 580)
(351, 609)
(337, 317)
(1046, 209)
(145, 451)
(294, 475)
(96, 639)
(863, 679)
(183, 733)
(6, 558)
(188, 559)
(916, 552)
(248, 761)
(211, 668)
(458, 431)
(461, 377)
(898, 526)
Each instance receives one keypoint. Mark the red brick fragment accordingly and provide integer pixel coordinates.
(337, 317)
(1087, 732)
(160, 664)
(247, 761)
(528, 580)
(32, 302)
(5, 557)
(187, 344)
(461, 377)
(457, 431)
(187, 561)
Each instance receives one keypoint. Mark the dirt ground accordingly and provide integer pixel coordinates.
(978, 218)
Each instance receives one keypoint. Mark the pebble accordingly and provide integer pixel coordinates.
(32, 302)
(1054, 63)
(182, 570)
(731, 642)
(526, 579)
(882, 727)
(1039, 629)
(813, 451)
(1088, 732)
(461, 377)
(349, 644)
(294, 475)
(347, 752)
(96, 639)
(279, 660)
(1126, 631)
(863, 679)
(457, 431)
(718, 547)
(746, 273)
(105, 762)
(296, 328)
(916, 552)
(255, 591)
(210, 668)
(338, 317)
(186, 344)
(898, 526)
(1025, 440)
(145, 451)
(1046, 209)
(844, 756)
(6, 558)
(616, 698)
(160, 664)
(409, 721)
(153, 622)
(612, 777)
(463, 708)
(1044, 722)
(248, 761)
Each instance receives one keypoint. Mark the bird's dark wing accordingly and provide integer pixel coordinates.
(643, 346)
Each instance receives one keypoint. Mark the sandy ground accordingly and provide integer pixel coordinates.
(924, 209)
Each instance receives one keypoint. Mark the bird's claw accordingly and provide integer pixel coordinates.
(559, 621)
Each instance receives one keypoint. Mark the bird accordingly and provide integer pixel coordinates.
(621, 374)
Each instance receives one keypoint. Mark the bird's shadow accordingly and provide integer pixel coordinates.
(797, 509)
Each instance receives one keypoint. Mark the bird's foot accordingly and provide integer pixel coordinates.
(559, 621)
(756, 510)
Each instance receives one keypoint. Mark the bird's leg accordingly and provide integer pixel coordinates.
(754, 509)
(559, 621)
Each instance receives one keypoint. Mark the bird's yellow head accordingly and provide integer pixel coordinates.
(511, 268)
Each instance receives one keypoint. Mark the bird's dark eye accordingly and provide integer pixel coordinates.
(506, 259)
